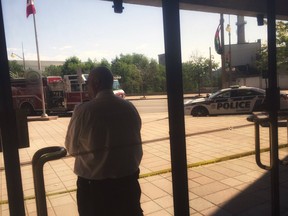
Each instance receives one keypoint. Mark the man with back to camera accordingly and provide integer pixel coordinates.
(104, 137)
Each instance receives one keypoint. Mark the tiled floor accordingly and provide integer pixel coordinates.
(231, 187)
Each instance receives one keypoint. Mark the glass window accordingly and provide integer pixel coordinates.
(116, 85)
(225, 94)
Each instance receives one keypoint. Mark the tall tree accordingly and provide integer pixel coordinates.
(104, 62)
(53, 70)
(16, 70)
(198, 73)
(282, 48)
(71, 66)
(88, 65)
(130, 78)
(282, 42)
(142, 75)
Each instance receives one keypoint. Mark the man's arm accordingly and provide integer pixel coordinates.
(72, 135)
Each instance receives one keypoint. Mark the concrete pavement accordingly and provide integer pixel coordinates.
(223, 177)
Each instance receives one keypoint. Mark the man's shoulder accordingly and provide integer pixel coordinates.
(83, 107)
(123, 101)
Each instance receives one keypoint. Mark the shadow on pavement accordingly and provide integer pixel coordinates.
(255, 200)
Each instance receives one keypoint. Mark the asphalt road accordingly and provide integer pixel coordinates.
(151, 106)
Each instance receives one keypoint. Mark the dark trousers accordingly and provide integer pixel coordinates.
(109, 197)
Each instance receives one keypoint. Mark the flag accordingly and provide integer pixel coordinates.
(217, 42)
(30, 9)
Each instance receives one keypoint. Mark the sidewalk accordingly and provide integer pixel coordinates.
(231, 187)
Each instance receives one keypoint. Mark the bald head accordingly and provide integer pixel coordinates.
(100, 78)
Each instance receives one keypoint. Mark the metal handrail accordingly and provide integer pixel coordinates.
(258, 151)
(39, 159)
(258, 120)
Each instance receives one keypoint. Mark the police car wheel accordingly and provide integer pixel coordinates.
(199, 111)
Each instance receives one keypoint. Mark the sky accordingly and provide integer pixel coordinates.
(91, 29)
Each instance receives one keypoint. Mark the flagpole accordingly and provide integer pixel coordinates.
(39, 68)
(23, 57)
(224, 79)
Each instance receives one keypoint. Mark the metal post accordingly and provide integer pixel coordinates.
(9, 132)
(171, 22)
(228, 29)
(44, 114)
(210, 66)
(273, 97)
(23, 57)
(224, 77)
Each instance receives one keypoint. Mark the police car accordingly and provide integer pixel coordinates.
(234, 100)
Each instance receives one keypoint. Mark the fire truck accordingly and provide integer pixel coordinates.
(61, 95)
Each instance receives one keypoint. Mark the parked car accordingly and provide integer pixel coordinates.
(233, 100)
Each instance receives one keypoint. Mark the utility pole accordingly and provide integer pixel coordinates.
(224, 80)
(228, 29)
(210, 66)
